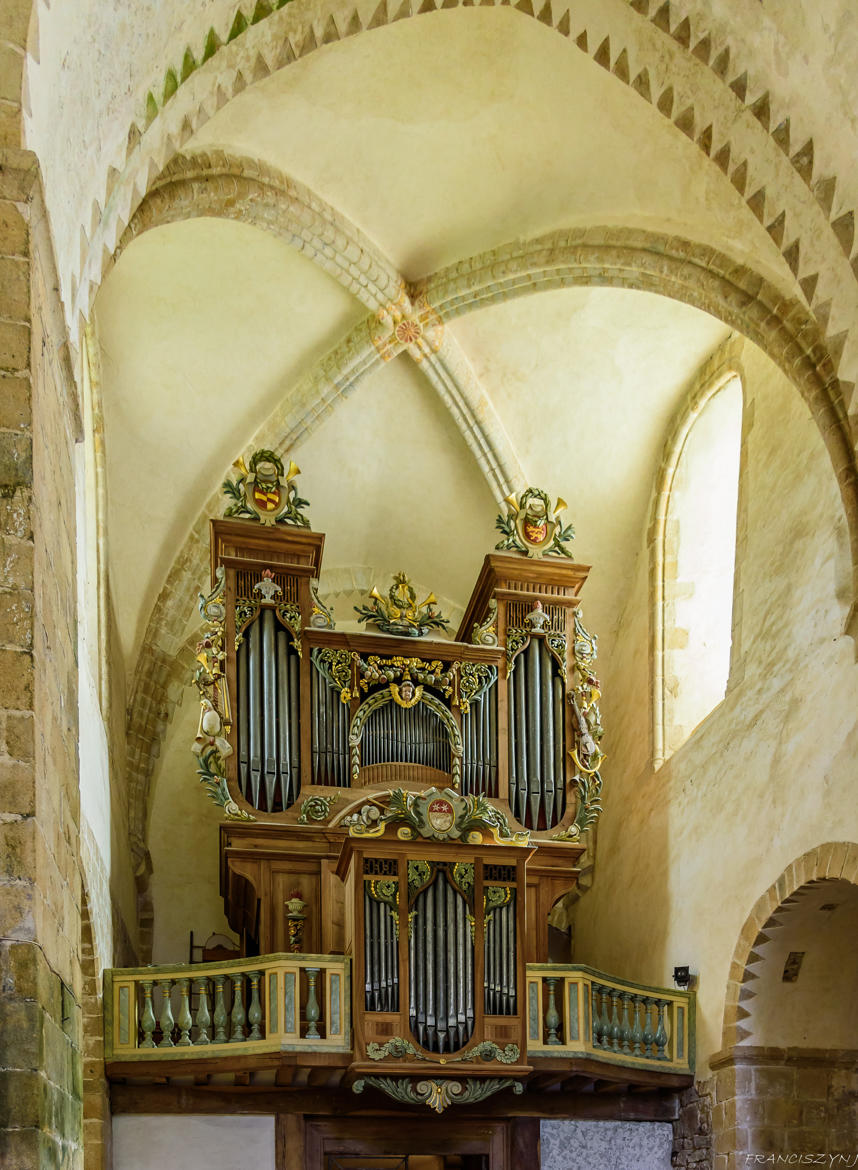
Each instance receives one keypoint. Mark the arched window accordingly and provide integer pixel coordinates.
(695, 557)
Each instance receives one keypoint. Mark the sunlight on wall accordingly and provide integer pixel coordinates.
(700, 555)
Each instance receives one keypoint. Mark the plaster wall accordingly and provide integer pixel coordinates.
(683, 853)
(190, 1142)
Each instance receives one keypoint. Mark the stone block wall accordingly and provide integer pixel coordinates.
(782, 1102)
(40, 887)
(692, 1130)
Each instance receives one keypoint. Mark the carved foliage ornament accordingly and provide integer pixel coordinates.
(438, 1094)
(399, 613)
(442, 815)
(586, 752)
(211, 746)
(265, 492)
(531, 525)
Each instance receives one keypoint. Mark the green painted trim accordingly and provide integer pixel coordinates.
(256, 963)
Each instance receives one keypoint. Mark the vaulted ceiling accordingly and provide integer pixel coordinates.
(572, 242)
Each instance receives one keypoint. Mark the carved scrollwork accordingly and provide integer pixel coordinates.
(438, 1094)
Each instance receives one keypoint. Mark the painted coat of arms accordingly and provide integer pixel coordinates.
(265, 491)
(531, 525)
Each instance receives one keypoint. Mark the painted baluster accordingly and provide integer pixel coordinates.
(648, 1035)
(552, 1016)
(167, 1020)
(625, 1027)
(220, 1036)
(312, 1012)
(661, 1034)
(203, 1020)
(185, 1020)
(238, 1017)
(615, 1020)
(254, 1015)
(606, 1019)
(594, 1016)
(637, 1031)
(147, 1019)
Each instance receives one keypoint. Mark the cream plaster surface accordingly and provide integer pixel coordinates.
(204, 327)
(820, 1008)
(587, 380)
(417, 135)
(192, 1142)
(684, 853)
(183, 841)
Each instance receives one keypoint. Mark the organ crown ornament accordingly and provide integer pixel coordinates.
(265, 491)
(531, 525)
(399, 613)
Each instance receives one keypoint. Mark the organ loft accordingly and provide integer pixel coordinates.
(403, 810)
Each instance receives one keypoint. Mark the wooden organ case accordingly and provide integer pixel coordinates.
(419, 799)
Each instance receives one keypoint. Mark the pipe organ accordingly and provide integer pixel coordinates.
(424, 798)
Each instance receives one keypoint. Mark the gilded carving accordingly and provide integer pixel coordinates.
(400, 613)
(264, 491)
(531, 525)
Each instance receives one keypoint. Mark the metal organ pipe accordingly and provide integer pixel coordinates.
(559, 752)
(267, 716)
(254, 712)
(547, 695)
(241, 662)
(283, 724)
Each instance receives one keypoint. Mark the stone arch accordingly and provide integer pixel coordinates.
(685, 271)
(699, 98)
(837, 859)
(613, 257)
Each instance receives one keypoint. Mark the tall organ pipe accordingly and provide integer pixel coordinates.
(534, 732)
(283, 726)
(492, 699)
(512, 719)
(521, 734)
(559, 752)
(241, 658)
(254, 712)
(547, 695)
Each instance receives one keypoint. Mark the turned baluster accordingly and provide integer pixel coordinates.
(552, 1016)
(147, 1019)
(220, 1017)
(606, 1019)
(312, 1012)
(167, 1021)
(203, 1020)
(185, 1020)
(238, 1017)
(626, 1027)
(254, 1015)
(594, 1016)
(615, 1020)
(637, 1031)
(648, 1034)
(661, 1034)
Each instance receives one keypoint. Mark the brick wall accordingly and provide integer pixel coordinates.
(40, 890)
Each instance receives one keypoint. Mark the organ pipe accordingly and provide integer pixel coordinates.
(440, 952)
(536, 748)
(268, 713)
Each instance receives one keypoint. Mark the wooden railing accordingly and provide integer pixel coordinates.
(575, 1011)
(285, 1003)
